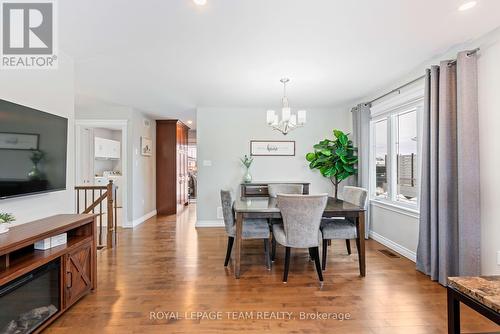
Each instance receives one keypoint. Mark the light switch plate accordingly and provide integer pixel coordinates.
(207, 163)
(498, 258)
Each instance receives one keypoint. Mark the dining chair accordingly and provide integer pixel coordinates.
(252, 228)
(335, 228)
(284, 188)
(281, 188)
(300, 229)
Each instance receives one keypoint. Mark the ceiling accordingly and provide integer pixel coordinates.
(169, 57)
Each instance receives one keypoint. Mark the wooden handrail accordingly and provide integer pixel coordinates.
(107, 193)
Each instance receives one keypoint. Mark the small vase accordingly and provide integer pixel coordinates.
(248, 177)
(4, 228)
(35, 173)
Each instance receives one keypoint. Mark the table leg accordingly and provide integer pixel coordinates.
(360, 226)
(453, 313)
(239, 228)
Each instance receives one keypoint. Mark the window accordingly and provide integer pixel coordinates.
(395, 140)
(407, 157)
(381, 189)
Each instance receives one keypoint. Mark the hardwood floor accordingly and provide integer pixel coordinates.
(166, 265)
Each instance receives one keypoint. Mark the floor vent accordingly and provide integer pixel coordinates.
(388, 253)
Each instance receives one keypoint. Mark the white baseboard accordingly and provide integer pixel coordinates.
(140, 220)
(411, 255)
(209, 223)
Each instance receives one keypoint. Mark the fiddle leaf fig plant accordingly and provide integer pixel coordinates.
(335, 159)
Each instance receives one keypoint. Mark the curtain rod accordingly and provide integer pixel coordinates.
(395, 90)
(469, 53)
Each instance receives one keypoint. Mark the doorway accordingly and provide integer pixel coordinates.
(192, 166)
(101, 156)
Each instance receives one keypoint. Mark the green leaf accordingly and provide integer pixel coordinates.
(348, 168)
(343, 139)
(326, 152)
(337, 133)
(310, 156)
(341, 151)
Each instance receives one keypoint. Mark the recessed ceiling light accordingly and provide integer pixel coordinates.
(467, 5)
(190, 122)
(200, 2)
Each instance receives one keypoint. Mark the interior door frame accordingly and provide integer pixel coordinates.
(115, 124)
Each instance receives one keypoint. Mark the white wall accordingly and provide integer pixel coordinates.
(144, 169)
(141, 177)
(51, 91)
(402, 232)
(489, 138)
(223, 136)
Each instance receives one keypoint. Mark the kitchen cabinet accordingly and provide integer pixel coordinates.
(106, 148)
(171, 166)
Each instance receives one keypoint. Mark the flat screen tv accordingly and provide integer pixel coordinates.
(33, 147)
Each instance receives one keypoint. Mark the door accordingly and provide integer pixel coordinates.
(85, 158)
(78, 273)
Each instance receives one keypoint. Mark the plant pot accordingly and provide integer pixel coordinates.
(4, 228)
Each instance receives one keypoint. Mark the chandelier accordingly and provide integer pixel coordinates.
(288, 120)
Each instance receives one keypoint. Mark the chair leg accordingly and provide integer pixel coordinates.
(325, 251)
(315, 251)
(348, 245)
(287, 264)
(273, 249)
(311, 255)
(230, 241)
(266, 252)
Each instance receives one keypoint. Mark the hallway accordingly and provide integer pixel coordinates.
(166, 265)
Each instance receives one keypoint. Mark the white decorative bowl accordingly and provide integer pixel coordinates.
(4, 228)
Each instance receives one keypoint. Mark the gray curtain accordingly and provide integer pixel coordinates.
(449, 234)
(361, 140)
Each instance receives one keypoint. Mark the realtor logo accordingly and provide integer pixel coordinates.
(28, 38)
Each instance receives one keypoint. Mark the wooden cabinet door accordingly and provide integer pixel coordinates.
(77, 273)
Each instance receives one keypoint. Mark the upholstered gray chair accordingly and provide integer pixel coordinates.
(284, 188)
(300, 229)
(252, 228)
(281, 188)
(344, 228)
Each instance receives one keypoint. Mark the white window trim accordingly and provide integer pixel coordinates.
(406, 101)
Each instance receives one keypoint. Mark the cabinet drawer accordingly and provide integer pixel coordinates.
(250, 191)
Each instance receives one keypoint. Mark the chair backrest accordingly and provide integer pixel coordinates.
(301, 218)
(355, 195)
(285, 188)
(227, 209)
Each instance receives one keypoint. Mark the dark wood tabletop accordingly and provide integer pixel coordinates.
(267, 208)
(335, 207)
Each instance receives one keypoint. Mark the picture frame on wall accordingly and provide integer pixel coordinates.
(146, 147)
(281, 148)
(19, 141)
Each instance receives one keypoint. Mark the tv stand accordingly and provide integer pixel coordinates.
(76, 259)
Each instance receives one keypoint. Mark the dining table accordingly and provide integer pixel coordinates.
(267, 208)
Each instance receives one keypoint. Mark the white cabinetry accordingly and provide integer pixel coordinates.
(106, 148)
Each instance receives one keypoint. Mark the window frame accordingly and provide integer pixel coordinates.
(406, 102)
